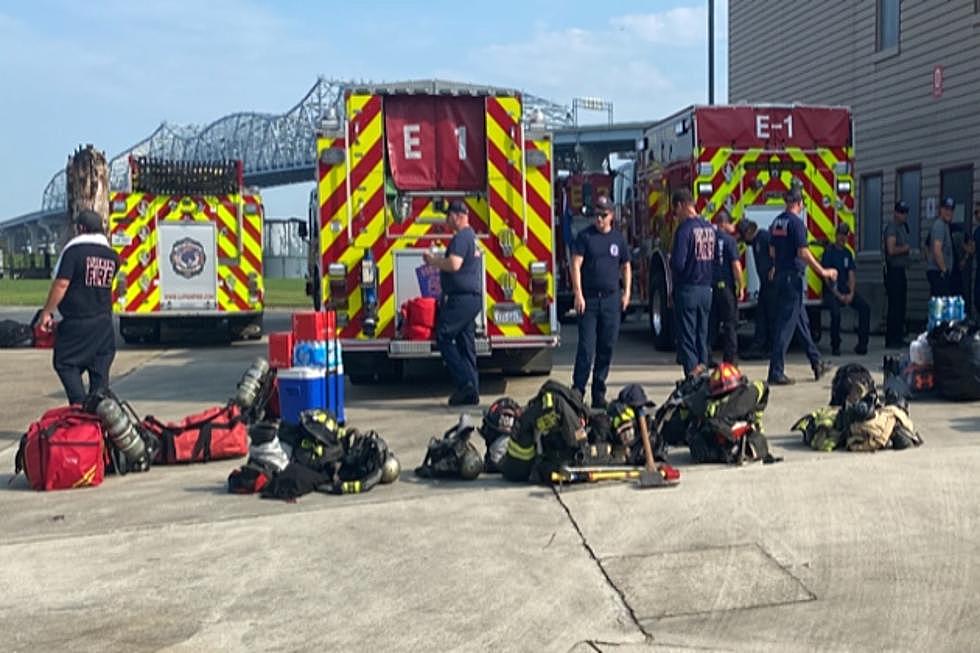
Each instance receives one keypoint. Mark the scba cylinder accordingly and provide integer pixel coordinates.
(121, 430)
(251, 383)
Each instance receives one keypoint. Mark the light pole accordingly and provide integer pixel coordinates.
(711, 51)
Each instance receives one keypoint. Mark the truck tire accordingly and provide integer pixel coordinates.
(139, 331)
(661, 317)
(315, 289)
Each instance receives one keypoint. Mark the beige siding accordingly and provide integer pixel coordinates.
(826, 55)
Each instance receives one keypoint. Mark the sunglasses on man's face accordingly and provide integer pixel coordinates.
(602, 215)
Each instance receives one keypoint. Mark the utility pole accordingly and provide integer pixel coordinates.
(711, 51)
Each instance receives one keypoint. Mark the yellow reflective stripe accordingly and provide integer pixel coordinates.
(515, 450)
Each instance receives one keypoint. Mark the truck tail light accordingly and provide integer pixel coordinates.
(843, 186)
(254, 292)
(704, 188)
(337, 282)
(251, 209)
(540, 304)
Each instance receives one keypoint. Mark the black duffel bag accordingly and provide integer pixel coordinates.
(956, 360)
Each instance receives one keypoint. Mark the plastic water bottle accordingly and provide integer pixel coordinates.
(948, 309)
(935, 311)
(960, 308)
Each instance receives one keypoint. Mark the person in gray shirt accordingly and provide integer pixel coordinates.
(896, 284)
(939, 250)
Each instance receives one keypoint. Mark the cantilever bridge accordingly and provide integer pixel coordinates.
(276, 149)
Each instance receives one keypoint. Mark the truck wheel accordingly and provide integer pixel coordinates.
(661, 319)
(315, 290)
(816, 328)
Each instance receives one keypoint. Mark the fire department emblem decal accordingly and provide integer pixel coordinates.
(187, 257)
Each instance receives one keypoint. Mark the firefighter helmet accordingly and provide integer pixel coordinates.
(390, 469)
(500, 419)
(724, 378)
(470, 463)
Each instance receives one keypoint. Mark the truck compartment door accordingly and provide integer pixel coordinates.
(407, 285)
(188, 259)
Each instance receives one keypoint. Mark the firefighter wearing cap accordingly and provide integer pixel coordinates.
(461, 301)
(726, 288)
(896, 284)
(791, 254)
(691, 264)
(939, 251)
(600, 258)
(81, 292)
(844, 292)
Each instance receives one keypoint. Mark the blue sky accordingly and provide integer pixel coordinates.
(107, 72)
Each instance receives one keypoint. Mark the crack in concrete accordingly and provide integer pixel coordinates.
(595, 558)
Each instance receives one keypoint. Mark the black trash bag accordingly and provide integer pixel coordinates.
(956, 360)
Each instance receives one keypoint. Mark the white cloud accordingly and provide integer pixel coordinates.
(680, 26)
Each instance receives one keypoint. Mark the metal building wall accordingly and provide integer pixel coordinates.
(825, 52)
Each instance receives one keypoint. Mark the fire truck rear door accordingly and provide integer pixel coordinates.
(188, 273)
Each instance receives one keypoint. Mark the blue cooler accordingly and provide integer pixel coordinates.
(300, 388)
(310, 353)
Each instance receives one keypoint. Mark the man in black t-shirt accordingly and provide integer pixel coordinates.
(600, 254)
(843, 292)
(82, 294)
(461, 302)
(726, 289)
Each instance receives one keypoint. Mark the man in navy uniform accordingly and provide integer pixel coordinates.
(600, 256)
(692, 259)
(758, 240)
(844, 292)
(726, 288)
(82, 292)
(896, 283)
(791, 255)
(462, 300)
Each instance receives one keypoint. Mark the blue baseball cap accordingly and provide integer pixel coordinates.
(901, 207)
(949, 202)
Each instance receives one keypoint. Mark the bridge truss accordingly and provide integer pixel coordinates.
(275, 149)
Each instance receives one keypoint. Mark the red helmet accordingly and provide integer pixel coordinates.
(724, 378)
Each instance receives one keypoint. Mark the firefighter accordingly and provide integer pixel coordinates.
(844, 292)
(462, 299)
(85, 341)
(758, 240)
(600, 256)
(791, 255)
(896, 285)
(727, 289)
(939, 251)
(691, 263)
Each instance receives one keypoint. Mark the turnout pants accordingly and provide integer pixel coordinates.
(724, 321)
(84, 345)
(456, 337)
(864, 318)
(896, 285)
(692, 308)
(598, 330)
(791, 318)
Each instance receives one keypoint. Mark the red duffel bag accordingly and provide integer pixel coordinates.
(213, 434)
(419, 318)
(64, 449)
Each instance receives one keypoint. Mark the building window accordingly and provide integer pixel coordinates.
(870, 217)
(908, 188)
(888, 24)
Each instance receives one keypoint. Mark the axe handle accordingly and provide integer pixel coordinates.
(647, 449)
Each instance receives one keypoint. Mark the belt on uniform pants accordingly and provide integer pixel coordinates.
(600, 294)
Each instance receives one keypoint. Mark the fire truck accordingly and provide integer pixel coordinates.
(740, 159)
(385, 171)
(189, 239)
(575, 194)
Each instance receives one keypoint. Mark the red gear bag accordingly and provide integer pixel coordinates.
(213, 434)
(64, 449)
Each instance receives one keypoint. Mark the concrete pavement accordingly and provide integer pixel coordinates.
(830, 551)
